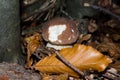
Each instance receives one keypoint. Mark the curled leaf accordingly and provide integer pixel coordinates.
(81, 56)
(32, 45)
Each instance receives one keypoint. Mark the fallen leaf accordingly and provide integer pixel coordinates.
(108, 46)
(83, 38)
(92, 27)
(115, 9)
(81, 56)
(105, 3)
(114, 23)
(32, 45)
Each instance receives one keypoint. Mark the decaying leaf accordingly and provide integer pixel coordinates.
(92, 27)
(113, 49)
(83, 38)
(81, 56)
(32, 44)
(105, 3)
(116, 9)
(113, 23)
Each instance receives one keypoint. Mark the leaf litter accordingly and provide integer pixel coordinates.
(94, 56)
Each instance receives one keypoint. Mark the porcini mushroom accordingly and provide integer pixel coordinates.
(60, 31)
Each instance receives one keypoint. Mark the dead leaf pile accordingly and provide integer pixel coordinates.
(101, 32)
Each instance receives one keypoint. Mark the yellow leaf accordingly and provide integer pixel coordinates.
(81, 56)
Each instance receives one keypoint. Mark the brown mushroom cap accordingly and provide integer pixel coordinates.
(60, 31)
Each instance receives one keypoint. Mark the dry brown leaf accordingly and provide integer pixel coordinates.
(115, 9)
(83, 38)
(81, 56)
(32, 45)
(92, 27)
(105, 3)
(114, 23)
(113, 49)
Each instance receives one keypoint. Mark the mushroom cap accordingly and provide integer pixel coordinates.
(60, 31)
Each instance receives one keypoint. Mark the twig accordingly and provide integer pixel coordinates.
(66, 14)
(44, 7)
(102, 9)
(108, 77)
(80, 73)
(115, 74)
(31, 30)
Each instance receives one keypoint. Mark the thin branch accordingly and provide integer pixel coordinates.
(66, 14)
(47, 5)
(80, 73)
(108, 77)
(115, 74)
(102, 9)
